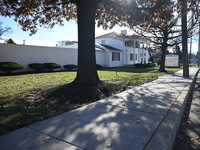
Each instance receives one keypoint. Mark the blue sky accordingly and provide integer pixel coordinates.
(49, 37)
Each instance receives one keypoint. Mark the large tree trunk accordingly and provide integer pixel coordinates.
(87, 71)
(163, 52)
(184, 38)
(163, 55)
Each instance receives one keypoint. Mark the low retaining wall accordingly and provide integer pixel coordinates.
(25, 54)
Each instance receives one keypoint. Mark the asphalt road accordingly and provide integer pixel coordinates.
(188, 137)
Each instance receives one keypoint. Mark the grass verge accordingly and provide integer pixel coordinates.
(22, 102)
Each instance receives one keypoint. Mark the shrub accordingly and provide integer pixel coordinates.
(149, 65)
(151, 59)
(8, 67)
(99, 66)
(10, 41)
(51, 66)
(39, 67)
(140, 65)
(70, 67)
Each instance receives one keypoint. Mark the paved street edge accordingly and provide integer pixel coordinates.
(165, 135)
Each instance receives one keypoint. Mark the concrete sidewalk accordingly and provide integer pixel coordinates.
(142, 118)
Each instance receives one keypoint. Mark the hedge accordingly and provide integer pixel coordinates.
(9, 67)
(51, 66)
(70, 67)
(39, 67)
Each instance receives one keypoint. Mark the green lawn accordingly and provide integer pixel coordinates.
(132, 76)
(16, 113)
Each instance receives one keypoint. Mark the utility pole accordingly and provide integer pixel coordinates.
(184, 38)
(199, 47)
(190, 50)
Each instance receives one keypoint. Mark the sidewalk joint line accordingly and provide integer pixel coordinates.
(59, 139)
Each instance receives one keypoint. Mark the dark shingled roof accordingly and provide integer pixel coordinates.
(110, 48)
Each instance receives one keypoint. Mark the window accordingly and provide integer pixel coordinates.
(129, 43)
(103, 42)
(126, 43)
(115, 56)
(137, 44)
(135, 56)
(131, 57)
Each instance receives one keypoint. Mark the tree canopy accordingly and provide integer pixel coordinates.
(47, 13)
(10, 41)
(31, 14)
(154, 17)
(3, 30)
(160, 23)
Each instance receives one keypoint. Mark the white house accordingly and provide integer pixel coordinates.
(115, 49)
(132, 48)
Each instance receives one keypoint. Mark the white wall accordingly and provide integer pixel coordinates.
(24, 55)
(126, 51)
(141, 54)
(116, 43)
(101, 58)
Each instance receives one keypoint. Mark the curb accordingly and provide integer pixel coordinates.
(165, 135)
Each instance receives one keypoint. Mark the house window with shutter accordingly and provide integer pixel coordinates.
(135, 56)
(131, 57)
(115, 56)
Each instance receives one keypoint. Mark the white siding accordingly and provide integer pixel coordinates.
(116, 43)
(24, 55)
(125, 54)
(101, 58)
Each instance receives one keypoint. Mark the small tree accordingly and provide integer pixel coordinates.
(3, 30)
(177, 50)
(10, 41)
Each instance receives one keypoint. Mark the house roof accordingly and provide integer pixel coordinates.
(100, 47)
(108, 35)
(105, 47)
(110, 48)
(117, 35)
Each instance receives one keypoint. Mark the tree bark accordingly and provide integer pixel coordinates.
(184, 38)
(163, 52)
(87, 71)
(163, 55)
